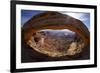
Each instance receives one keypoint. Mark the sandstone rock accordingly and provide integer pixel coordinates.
(51, 46)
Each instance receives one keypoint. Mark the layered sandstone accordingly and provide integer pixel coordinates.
(52, 46)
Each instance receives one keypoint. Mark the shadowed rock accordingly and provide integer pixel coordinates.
(52, 46)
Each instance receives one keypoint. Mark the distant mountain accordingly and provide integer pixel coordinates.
(59, 33)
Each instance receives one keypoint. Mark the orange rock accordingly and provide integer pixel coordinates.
(54, 20)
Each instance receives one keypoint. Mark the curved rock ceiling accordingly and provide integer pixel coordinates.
(35, 37)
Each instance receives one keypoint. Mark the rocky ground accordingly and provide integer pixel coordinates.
(54, 41)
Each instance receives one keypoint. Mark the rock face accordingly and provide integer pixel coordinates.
(56, 45)
(70, 43)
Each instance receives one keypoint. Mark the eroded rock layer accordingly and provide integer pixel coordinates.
(41, 41)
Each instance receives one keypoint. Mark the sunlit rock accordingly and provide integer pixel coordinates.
(55, 34)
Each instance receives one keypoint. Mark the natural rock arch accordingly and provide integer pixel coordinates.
(55, 20)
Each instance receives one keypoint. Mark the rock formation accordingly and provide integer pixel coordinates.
(55, 47)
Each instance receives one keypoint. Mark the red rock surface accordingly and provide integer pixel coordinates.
(54, 20)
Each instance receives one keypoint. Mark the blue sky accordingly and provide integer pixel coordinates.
(84, 17)
(27, 14)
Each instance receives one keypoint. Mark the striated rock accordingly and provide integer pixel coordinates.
(70, 43)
